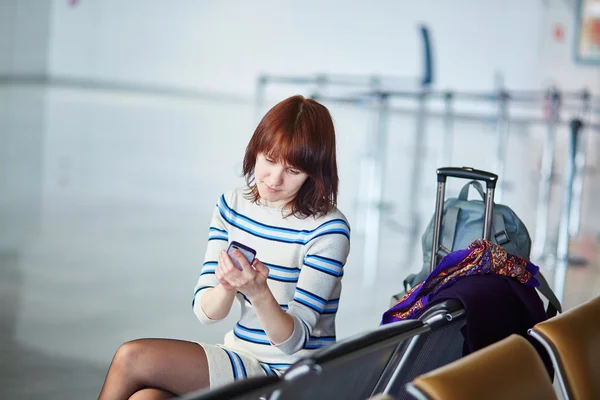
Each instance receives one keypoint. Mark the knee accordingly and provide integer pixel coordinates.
(128, 354)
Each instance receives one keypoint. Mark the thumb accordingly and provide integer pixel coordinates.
(260, 267)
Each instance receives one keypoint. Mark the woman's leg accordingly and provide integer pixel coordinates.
(172, 366)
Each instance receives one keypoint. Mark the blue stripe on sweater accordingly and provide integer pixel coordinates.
(302, 236)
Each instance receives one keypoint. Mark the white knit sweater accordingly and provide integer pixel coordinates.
(305, 258)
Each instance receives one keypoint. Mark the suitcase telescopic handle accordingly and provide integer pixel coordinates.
(464, 173)
(468, 173)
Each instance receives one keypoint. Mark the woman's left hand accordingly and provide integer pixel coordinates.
(250, 281)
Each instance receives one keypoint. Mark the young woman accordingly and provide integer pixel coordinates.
(289, 295)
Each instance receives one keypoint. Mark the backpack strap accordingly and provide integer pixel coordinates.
(449, 223)
(553, 303)
(464, 192)
(414, 279)
(408, 281)
(449, 231)
(500, 234)
(503, 240)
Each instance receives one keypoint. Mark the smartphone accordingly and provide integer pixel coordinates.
(245, 250)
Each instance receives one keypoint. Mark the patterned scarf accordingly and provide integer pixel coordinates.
(480, 258)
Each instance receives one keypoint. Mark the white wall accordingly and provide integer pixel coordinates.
(24, 28)
(223, 46)
(6, 11)
(557, 56)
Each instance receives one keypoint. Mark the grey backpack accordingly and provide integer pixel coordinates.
(462, 223)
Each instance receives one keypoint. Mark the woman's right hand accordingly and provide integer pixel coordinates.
(251, 280)
(216, 303)
(219, 272)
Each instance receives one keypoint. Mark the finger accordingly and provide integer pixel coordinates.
(228, 265)
(231, 273)
(221, 261)
(260, 267)
(219, 274)
(227, 283)
(253, 264)
(241, 259)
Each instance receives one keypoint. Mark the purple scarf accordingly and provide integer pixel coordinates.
(480, 258)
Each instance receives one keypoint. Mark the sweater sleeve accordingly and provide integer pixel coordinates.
(218, 240)
(319, 284)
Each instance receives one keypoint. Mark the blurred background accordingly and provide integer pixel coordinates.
(121, 123)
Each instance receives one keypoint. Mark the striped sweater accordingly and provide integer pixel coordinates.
(305, 258)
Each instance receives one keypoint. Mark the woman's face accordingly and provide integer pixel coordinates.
(277, 183)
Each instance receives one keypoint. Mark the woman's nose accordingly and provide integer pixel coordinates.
(276, 176)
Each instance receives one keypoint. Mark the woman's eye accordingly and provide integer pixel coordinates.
(293, 171)
(270, 160)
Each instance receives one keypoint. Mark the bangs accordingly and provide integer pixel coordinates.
(290, 149)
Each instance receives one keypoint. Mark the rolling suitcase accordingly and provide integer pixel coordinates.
(501, 226)
(436, 247)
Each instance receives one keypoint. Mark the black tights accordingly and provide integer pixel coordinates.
(155, 369)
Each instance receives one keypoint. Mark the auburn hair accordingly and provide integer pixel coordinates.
(298, 132)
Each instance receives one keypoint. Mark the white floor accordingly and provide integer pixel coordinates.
(105, 201)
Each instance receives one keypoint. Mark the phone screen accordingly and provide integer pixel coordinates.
(245, 250)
